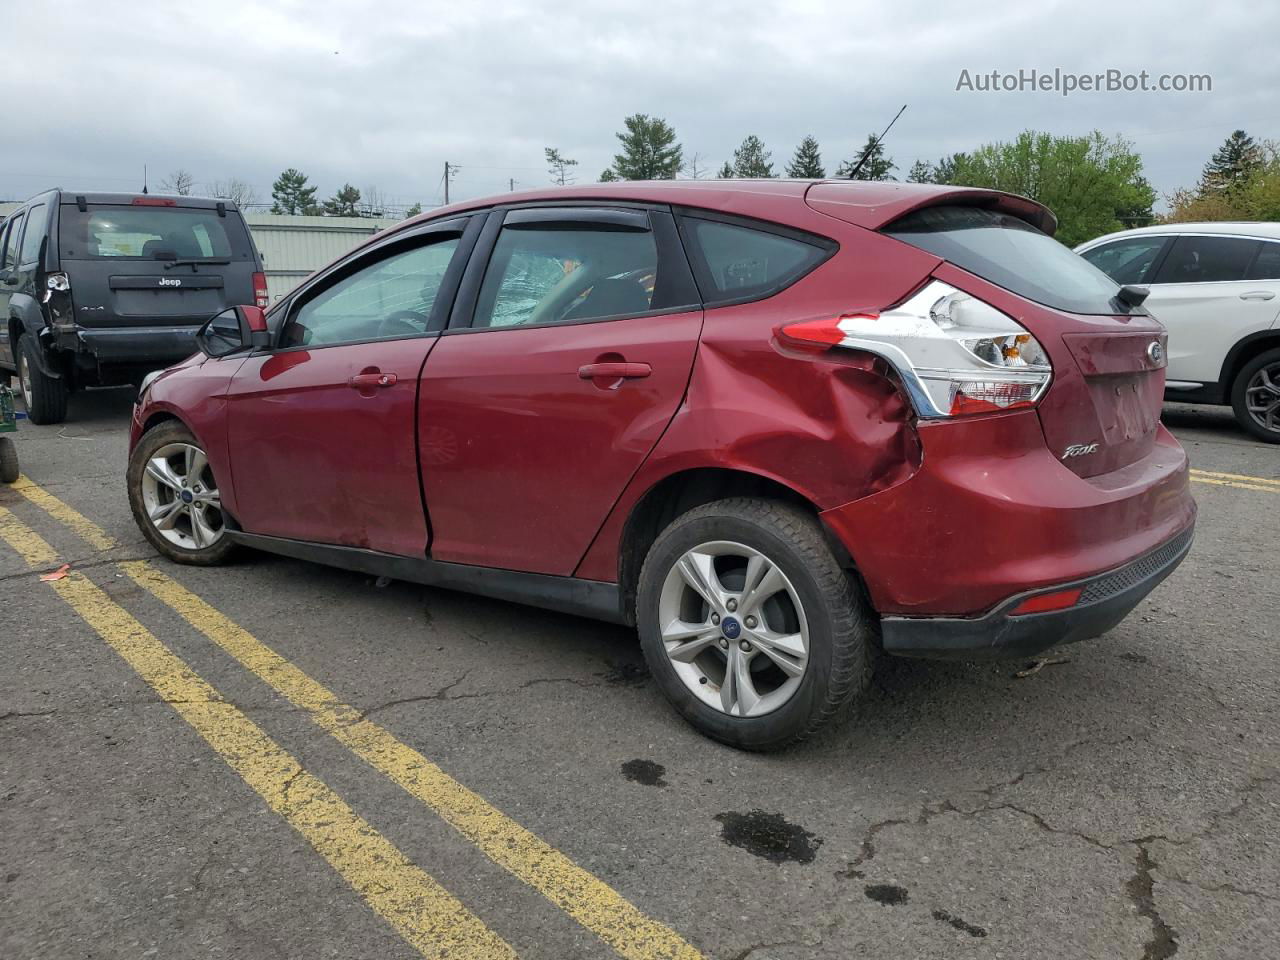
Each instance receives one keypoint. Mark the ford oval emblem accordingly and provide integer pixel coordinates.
(1155, 352)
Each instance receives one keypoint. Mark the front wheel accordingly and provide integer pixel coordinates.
(174, 497)
(1255, 396)
(749, 624)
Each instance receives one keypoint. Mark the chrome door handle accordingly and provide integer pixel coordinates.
(1257, 295)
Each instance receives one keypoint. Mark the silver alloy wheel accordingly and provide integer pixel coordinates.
(24, 378)
(734, 628)
(181, 497)
(1262, 397)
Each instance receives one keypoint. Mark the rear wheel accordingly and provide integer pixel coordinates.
(1255, 396)
(750, 626)
(175, 499)
(8, 460)
(45, 396)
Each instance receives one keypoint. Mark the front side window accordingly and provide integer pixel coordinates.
(390, 299)
(1126, 261)
(11, 243)
(1207, 260)
(148, 232)
(741, 262)
(35, 233)
(563, 273)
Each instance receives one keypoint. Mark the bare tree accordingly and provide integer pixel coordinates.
(237, 191)
(372, 203)
(180, 182)
(695, 168)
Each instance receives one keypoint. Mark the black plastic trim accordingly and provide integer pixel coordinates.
(583, 598)
(1106, 599)
(570, 218)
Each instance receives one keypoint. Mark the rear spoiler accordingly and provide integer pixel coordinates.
(877, 205)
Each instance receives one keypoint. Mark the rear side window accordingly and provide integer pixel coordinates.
(1207, 260)
(1012, 254)
(1266, 266)
(11, 243)
(557, 274)
(35, 233)
(1126, 261)
(151, 233)
(735, 262)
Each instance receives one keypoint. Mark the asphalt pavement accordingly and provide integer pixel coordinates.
(275, 759)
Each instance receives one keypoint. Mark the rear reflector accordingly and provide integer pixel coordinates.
(260, 295)
(154, 202)
(1046, 602)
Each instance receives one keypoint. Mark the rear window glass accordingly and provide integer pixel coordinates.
(1266, 266)
(741, 262)
(1012, 254)
(151, 233)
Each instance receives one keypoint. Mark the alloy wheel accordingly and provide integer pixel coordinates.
(734, 628)
(1262, 397)
(181, 497)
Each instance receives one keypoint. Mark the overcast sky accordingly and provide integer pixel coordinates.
(384, 93)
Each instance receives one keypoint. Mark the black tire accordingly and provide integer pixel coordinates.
(1268, 364)
(842, 628)
(45, 396)
(169, 432)
(8, 460)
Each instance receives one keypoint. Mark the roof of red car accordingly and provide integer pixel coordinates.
(867, 203)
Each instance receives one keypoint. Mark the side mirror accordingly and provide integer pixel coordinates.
(233, 330)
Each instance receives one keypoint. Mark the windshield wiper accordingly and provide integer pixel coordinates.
(195, 262)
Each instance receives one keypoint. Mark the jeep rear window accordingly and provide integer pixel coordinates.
(151, 233)
(1012, 254)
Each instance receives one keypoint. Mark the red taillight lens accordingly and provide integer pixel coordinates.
(154, 202)
(1046, 602)
(825, 333)
(260, 295)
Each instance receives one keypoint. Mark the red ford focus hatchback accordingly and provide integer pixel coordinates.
(776, 425)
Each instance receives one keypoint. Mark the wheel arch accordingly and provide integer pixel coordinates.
(679, 492)
(1244, 351)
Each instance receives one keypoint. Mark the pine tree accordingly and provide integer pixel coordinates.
(948, 169)
(752, 161)
(806, 163)
(877, 166)
(413, 211)
(291, 193)
(921, 172)
(649, 150)
(726, 172)
(1232, 164)
(558, 167)
(609, 176)
(344, 203)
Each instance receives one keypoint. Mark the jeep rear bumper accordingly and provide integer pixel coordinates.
(1104, 601)
(153, 346)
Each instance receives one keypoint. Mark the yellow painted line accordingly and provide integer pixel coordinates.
(589, 900)
(1243, 481)
(422, 911)
(81, 525)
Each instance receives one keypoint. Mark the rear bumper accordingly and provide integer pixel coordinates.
(1105, 600)
(155, 346)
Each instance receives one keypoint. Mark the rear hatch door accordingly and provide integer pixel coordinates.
(155, 261)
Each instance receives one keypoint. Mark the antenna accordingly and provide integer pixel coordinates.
(873, 144)
(144, 178)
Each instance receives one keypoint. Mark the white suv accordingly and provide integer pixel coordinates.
(1215, 286)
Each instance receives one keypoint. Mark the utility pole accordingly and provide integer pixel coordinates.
(446, 183)
(511, 183)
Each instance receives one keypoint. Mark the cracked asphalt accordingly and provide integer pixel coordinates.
(1123, 804)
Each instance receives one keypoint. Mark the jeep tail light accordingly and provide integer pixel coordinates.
(58, 282)
(956, 354)
(260, 296)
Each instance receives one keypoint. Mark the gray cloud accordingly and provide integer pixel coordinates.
(383, 93)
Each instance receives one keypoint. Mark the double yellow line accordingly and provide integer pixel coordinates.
(1238, 480)
(419, 908)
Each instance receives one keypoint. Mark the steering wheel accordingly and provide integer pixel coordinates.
(402, 323)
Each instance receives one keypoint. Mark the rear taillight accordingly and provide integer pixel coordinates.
(260, 296)
(956, 355)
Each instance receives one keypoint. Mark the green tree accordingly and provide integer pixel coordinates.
(806, 162)
(291, 194)
(1257, 197)
(609, 176)
(921, 172)
(726, 172)
(1232, 164)
(1092, 183)
(752, 161)
(945, 170)
(649, 150)
(344, 203)
(558, 166)
(877, 166)
(413, 211)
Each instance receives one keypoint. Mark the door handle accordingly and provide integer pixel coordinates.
(363, 381)
(614, 371)
(1257, 295)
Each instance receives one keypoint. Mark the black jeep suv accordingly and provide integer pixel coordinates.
(97, 289)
